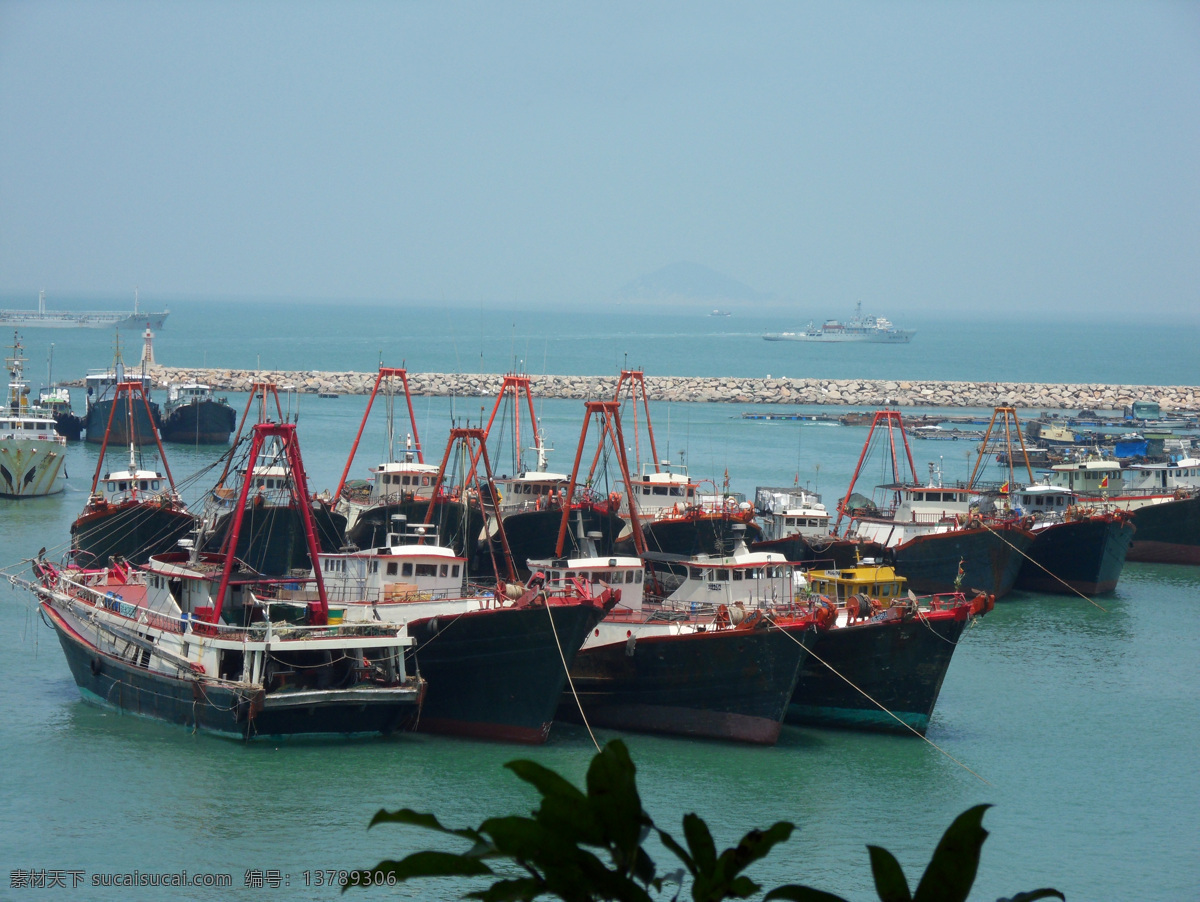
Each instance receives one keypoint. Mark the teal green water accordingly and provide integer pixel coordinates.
(1079, 724)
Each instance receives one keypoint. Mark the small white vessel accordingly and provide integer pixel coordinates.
(31, 450)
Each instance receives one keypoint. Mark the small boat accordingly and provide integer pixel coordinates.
(32, 452)
(796, 524)
(193, 644)
(192, 414)
(860, 327)
(57, 400)
(131, 513)
(880, 653)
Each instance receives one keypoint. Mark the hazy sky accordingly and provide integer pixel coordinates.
(1036, 156)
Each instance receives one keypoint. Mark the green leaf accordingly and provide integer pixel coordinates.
(951, 872)
(518, 890)
(417, 819)
(700, 842)
(680, 852)
(890, 882)
(425, 864)
(1034, 895)
(612, 790)
(795, 893)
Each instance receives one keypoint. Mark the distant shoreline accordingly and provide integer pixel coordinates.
(834, 392)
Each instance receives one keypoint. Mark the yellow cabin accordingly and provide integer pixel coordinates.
(872, 580)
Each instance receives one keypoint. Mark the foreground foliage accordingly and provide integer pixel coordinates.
(586, 847)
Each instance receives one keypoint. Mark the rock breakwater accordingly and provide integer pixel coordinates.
(728, 390)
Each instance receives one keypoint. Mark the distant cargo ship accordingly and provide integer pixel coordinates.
(83, 319)
(859, 328)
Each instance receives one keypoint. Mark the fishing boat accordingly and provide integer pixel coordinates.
(56, 399)
(32, 452)
(403, 484)
(934, 534)
(192, 414)
(860, 327)
(677, 515)
(496, 658)
(167, 642)
(531, 501)
(272, 540)
(1163, 497)
(1077, 549)
(106, 409)
(650, 669)
(84, 319)
(880, 654)
(796, 524)
(130, 513)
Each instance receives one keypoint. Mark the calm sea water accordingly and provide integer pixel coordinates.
(1078, 722)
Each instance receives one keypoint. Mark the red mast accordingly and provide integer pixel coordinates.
(285, 433)
(636, 380)
(608, 413)
(385, 372)
(892, 420)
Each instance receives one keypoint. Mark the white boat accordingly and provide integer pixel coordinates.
(31, 450)
(859, 328)
(82, 319)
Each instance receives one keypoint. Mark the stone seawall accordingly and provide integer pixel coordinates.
(838, 392)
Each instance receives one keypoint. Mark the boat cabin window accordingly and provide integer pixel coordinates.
(426, 569)
(722, 575)
(112, 486)
(406, 570)
(443, 570)
(677, 491)
(737, 576)
(454, 570)
(391, 568)
(660, 490)
(695, 573)
(372, 566)
(637, 576)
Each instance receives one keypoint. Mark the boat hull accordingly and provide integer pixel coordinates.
(30, 468)
(134, 530)
(827, 551)
(203, 423)
(497, 674)
(238, 712)
(899, 663)
(898, 336)
(97, 420)
(1084, 556)
(727, 684)
(272, 540)
(990, 557)
(690, 536)
(1167, 533)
